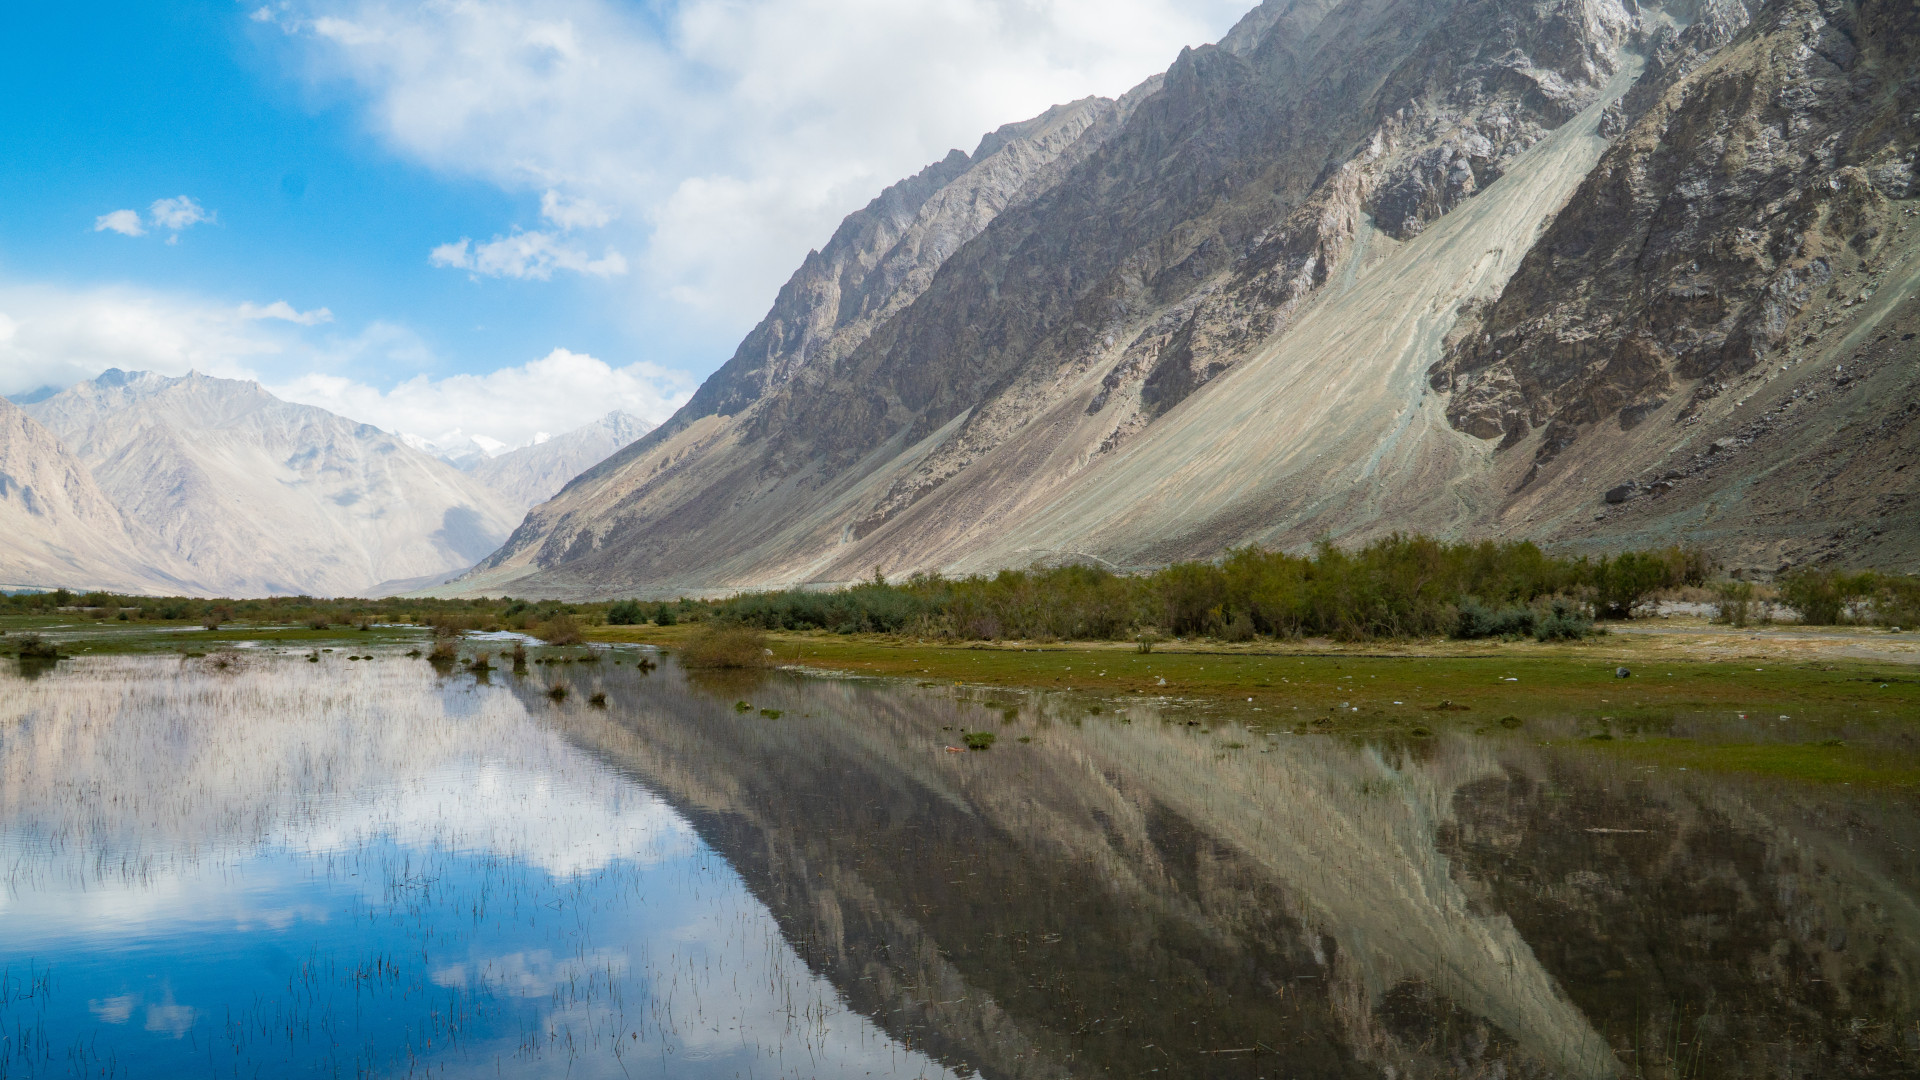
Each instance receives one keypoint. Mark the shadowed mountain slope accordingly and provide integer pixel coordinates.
(1464, 266)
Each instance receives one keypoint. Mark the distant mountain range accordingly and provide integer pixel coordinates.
(1591, 273)
(142, 482)
(531, 475)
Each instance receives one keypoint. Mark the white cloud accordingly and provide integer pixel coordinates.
(286, 312)
(571, 213)
(526, 255)
(506, 408)
(177, 213)
(54, 337)
(124, 222)
(60, 337)
(724, 142)
(174, 215)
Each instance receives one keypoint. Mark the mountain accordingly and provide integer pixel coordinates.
(259, 496)
(531, 475)
(1589, 273)
(60, 528)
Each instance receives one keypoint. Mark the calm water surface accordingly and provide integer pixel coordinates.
(363, 868)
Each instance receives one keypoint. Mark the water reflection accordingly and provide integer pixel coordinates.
(367, 866)
(361, 869)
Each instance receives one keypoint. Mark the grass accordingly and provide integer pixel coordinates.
(1569, 679)
(1827, 761)
(1683, 712)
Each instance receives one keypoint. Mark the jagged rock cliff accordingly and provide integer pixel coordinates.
(1456, 265)
(258, 496)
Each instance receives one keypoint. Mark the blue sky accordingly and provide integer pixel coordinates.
(484, 217)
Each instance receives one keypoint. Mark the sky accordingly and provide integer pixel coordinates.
(492, 218)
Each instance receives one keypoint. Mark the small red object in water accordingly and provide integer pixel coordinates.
(955, 750)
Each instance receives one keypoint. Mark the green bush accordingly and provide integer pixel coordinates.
(1562, 621)
(1624, 581)
(1823, 597)
(1476, 620)
(1733, 602)
(35, 647)
(626, 613)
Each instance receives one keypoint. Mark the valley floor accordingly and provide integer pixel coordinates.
(1824, 705)
(1797, 703)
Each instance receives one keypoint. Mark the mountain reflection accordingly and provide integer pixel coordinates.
(368, 866)
(1125, 895)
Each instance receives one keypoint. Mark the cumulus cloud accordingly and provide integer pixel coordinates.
(177, 214)
(507, 408)
(286, 312)
(59, 337)
(719, 139)
(124, 222)
(573, 213)
(526, 255)
(56, 337)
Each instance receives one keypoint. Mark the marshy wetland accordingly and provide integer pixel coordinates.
(250, 862)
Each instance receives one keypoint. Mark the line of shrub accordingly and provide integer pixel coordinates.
(1397, 587)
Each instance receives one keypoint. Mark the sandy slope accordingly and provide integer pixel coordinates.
(1293, 440)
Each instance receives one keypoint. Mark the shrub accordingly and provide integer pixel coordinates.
(443, 653)
(665, 616)
(626, 613)
(978, 740)
(1476, 620)
(1898, 601)
(1621, 583)
(1562, 621)
(1823, 597)
(725, 645)
(1733, 602)
(561, 630)
(35, 647)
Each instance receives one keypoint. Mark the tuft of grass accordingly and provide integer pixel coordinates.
(598, 699)
(725, 646)
(558, 692)
(978, 740)
(771, 714)
(742, 706)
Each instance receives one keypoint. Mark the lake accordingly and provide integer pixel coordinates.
(255, 865)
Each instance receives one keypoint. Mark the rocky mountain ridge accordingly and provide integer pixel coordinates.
(1473, 267)
(240, 493)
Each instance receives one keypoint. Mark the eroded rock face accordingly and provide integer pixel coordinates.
(1700, 246)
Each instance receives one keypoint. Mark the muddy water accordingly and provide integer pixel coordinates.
(364, 868)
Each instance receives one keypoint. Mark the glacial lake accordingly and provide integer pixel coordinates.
(264, 866)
